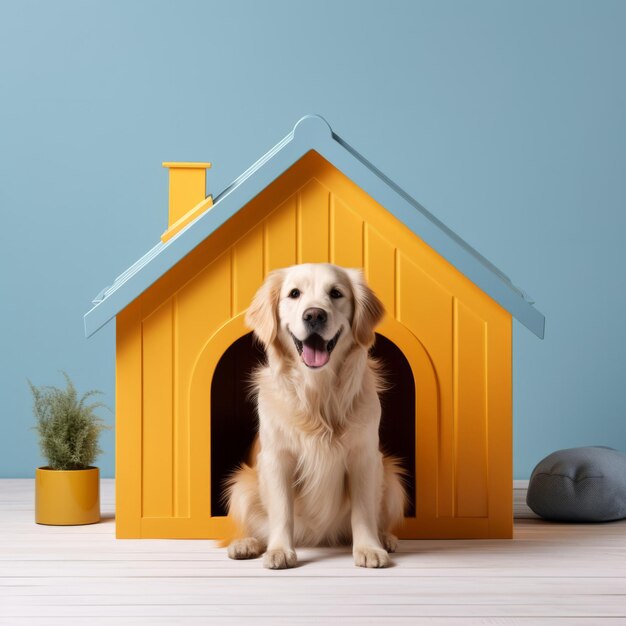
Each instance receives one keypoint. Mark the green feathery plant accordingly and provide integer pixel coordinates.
(68, 427)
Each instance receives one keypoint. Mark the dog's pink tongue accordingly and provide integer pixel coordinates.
(315, 355)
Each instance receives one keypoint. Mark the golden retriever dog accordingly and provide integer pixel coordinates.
(317, 475)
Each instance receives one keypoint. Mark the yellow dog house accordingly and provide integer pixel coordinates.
(183, 353)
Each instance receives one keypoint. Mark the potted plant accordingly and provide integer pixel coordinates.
(67, 490)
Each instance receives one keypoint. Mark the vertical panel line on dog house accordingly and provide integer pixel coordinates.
(265, 245)
(366, 252)
(486, 414)
(363, 257)
(331, 227)
(175, 432)
(455, 402)
(141, 418)
(298, 227)
(329, 214)
(231, 255)
(396, 287)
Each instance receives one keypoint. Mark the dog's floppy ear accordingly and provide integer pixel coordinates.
(368, 309)
(262, 314)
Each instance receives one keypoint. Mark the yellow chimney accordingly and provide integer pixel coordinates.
(187, 195)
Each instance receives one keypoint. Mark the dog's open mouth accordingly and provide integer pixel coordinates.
(315, 350)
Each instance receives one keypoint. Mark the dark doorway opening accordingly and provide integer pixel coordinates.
(234, 420)
(397, 423)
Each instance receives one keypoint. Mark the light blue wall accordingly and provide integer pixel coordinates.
(506, 120)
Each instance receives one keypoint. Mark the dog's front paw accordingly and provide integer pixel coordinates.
(248, 548)
(371, 557)
(389, 541)
(280, 559)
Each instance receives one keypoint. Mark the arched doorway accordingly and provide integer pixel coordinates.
(233, 414)
(234, 418)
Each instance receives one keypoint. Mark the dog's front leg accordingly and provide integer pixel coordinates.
(365, 472)
(277, 470)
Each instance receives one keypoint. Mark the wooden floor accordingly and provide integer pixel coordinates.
(549, 574)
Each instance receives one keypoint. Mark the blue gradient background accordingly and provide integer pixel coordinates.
(505, 119)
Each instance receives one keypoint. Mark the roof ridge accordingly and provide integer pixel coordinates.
(312, 132)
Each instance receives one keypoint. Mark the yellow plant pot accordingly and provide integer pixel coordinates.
(67, 497)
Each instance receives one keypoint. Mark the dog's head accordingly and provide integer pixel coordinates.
(313, 311)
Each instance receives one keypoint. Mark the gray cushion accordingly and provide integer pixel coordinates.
(579, 485)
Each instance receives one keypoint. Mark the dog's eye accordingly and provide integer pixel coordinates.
(335, 293)
(294, 293)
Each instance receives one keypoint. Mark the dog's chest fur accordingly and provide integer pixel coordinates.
(320, 405)
(318, 424)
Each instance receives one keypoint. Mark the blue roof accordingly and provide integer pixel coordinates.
(313, 133)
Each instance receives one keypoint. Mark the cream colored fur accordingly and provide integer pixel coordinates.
(317, 476)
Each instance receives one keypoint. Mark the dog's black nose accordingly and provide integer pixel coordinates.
(315, 318)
